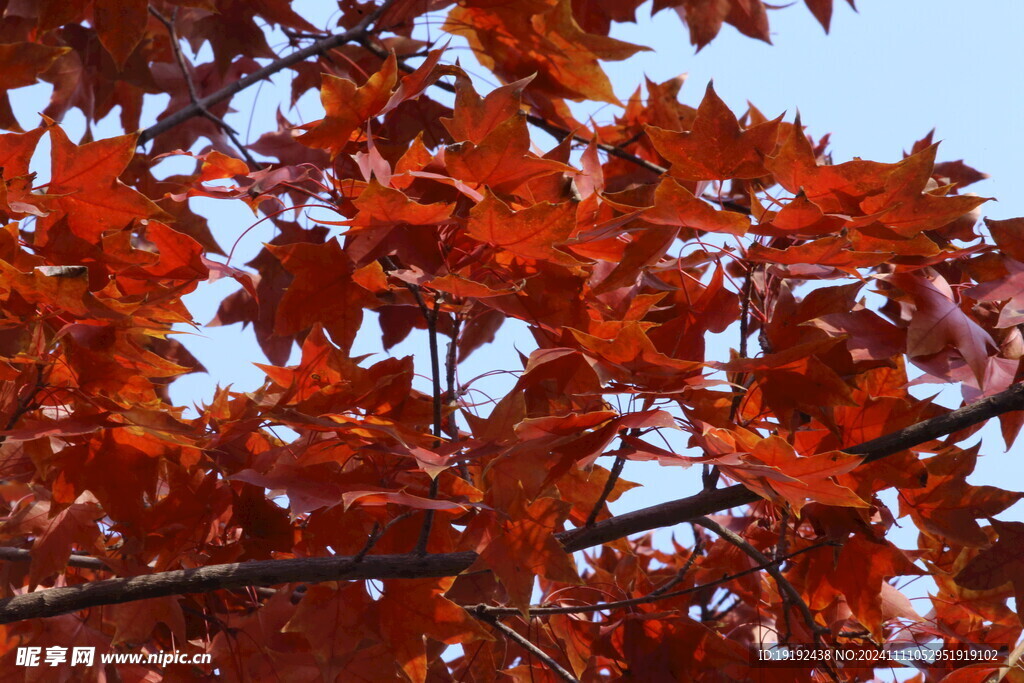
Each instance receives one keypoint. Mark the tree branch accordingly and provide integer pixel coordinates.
(786, 589)
(451, 395)
(513, 635)
(26, 402)
(539, 121)
(77, 561)
(53, 601)
(660, 593)
(609, 486)
(710, 502)
(435, 383)
(355, 33)
(183, 66)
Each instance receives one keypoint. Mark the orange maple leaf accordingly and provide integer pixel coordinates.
(84, 188)
(716, 148)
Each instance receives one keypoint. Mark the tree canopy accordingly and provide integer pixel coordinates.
(350, 520)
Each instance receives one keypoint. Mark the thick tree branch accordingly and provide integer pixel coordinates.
(53, 601)
(77, 561)
(357, 32)
(717, 500)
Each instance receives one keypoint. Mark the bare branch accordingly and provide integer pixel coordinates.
(430, 316)
(790, 595)
(53, 601)
(435, 382)
(77, 561)
(609, 486)
(664, 588)
(717, 500)
(451, 397)
(355, 33)
(26, 402)
(785, 587)
(660, 593)
(377, 533)
(514, 636)
(186, 74)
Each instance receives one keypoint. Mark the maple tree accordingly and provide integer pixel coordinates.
(401, 518)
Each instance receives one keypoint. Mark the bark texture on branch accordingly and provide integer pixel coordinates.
(717, 500)
(53, 601)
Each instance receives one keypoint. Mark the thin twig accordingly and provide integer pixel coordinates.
(716, 613)
(536, 611)
(782, 545)
(451, 397)
(319, 47)
(435, 377)
(786, 589)
(25, 403)
(435, 365)
(376, 534)
(193, 94)
(65, 599)
(514, 636)
(681, 574)
(296, 36)
(609, 486)
(451, 361)
(744, 323)
(737, 398)
(745, 310)
(430, 316)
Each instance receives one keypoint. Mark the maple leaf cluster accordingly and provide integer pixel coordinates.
(401, 518)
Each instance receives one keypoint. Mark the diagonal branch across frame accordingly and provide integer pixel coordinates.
(54, 601)
(356, 33)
